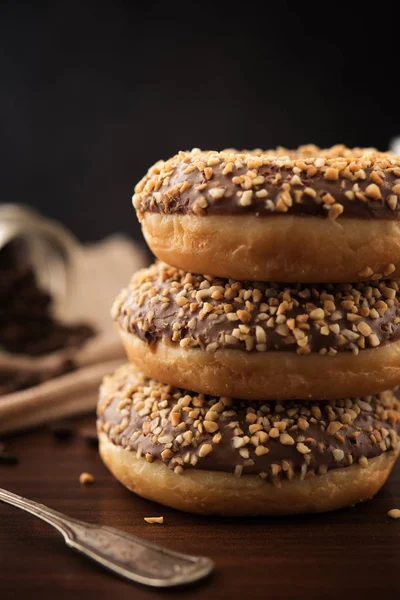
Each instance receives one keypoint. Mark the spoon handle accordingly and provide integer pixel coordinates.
(126, 555)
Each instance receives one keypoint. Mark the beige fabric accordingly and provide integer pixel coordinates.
(97, 275)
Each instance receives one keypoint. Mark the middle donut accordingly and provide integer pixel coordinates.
(258, 340)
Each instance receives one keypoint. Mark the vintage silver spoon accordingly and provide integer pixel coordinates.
(124, 554)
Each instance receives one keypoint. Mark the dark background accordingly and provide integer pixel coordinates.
(92, 93)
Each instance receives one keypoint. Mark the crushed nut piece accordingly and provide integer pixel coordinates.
(152, 520)
(86, 478)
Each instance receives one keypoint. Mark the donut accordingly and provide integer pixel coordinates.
(214, 455)
(306, 215)
(261, 341)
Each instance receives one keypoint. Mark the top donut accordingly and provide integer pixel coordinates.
(305, 215)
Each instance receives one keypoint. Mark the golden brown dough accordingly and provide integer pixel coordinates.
(267, 375)
(283, 248)
(210, 492)
(212, 454)
(311, 214)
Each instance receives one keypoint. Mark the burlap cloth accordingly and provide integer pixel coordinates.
(100, 270)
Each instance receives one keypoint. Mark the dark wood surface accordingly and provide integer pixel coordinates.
(353, 553)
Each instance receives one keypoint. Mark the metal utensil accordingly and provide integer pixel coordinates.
(124, 554)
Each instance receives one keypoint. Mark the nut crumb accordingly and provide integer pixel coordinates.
(159, 520)
(85, 478)
(394, 513)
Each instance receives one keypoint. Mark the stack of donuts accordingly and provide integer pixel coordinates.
(264, 343)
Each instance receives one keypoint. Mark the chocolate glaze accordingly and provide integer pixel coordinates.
(133, 317)
(376, 413)
(229, 204)
(208, 331)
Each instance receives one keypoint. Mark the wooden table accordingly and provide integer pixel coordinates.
(353, 553)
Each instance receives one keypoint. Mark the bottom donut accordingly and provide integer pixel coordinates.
(217, 456)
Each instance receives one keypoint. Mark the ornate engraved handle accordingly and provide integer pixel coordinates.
(124, 554)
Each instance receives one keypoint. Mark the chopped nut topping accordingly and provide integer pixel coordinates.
(392, 201)
(286, 439)
(334, 427)
(217, 193)
(364, 328)
(373, 191)
(334, 211)
(198, 311)
(317, 313)
(366, 272)
(331, 173)
(152, 520)
(86, 478)
(268, 439)
(272, 181)
(246, 198)
(210, 426)
(338, 454)
(205, 449)
(302, 448)
(373, 340)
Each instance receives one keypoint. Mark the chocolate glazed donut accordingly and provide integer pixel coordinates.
(261, 341)
(306, 215)
(215, 455)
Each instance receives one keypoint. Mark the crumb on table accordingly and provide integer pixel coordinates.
(85, 478)
(154, 520)
(394, 513)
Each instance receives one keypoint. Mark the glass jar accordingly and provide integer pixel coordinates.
(51, 249)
